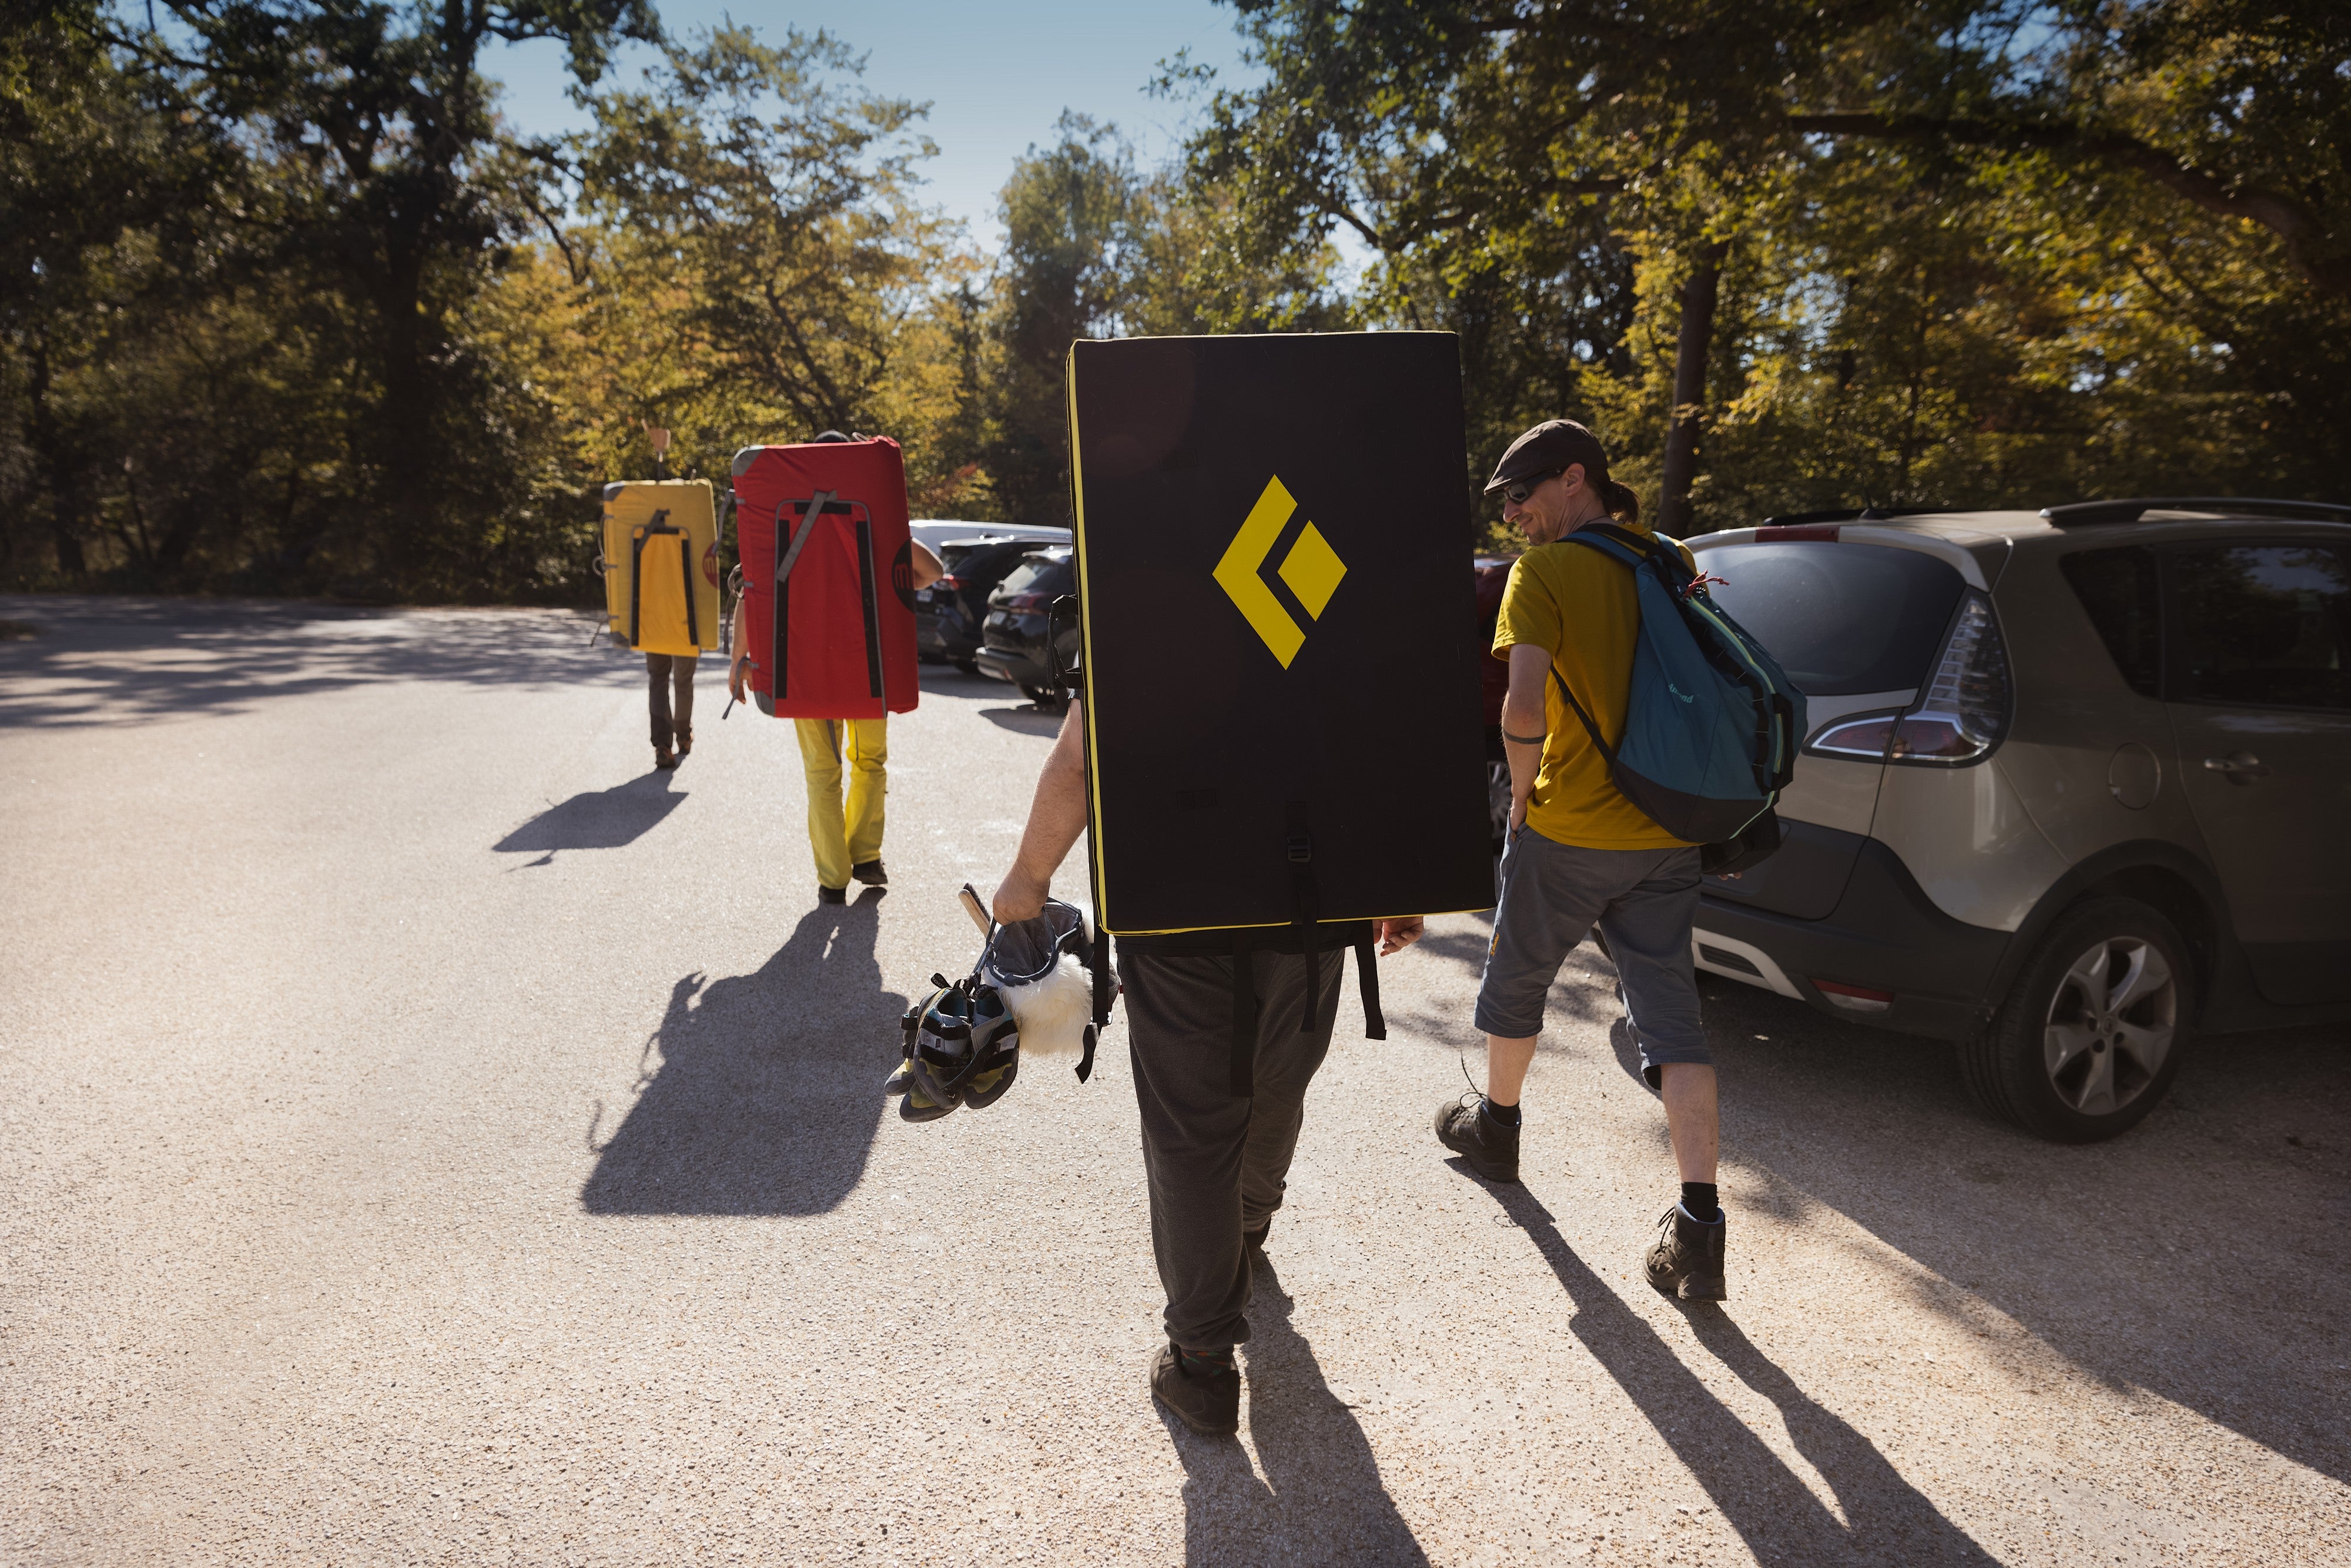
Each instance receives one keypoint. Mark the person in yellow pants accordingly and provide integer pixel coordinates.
(847, 842)
(846, 838)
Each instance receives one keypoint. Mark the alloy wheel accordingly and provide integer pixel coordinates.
(2110, 1026)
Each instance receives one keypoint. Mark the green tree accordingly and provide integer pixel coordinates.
(379, 124)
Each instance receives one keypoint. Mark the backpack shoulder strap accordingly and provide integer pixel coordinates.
(1654, 549)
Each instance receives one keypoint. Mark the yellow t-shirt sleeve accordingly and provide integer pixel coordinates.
(1530, 613)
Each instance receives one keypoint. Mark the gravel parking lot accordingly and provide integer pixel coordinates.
(434, 1137)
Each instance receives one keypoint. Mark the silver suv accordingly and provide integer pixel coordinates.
(2078, 785)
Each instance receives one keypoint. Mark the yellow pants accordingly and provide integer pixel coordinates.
(843, 839)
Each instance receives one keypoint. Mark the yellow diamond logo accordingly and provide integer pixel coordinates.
(1311, 570)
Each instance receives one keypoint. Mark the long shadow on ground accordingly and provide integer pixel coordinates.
(761, 1093)
(1321, 1498)
(2151, 1261)
(103, 660)
(1777, 1517)
(597, 819)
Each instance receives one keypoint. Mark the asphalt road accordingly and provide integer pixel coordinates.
(432, 1137)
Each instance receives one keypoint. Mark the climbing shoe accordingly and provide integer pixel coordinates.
(1207, 1401)
(871, 873)
(962, 1048)
(1465, 1127)
(1686, 1260)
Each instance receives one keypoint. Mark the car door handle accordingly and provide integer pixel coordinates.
(2242, 766)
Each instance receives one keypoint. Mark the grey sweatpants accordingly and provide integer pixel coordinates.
(1218, 1161)
(1643, 901)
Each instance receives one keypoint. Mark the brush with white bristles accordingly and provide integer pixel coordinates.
(1053, 1011)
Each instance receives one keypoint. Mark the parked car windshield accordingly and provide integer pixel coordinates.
(1840, 618)
(1039, 574)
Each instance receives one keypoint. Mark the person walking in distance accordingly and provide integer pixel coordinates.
(1579, 853)
(844, 831)
(669, 678)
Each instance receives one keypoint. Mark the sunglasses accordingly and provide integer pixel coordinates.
(1516, 494)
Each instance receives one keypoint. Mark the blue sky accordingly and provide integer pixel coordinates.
(996, 76)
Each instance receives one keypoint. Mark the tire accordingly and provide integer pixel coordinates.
(2054, 1060)
(967, 666)
(1047, 701)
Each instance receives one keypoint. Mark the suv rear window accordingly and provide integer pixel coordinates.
(1040, 574)
(1840, 618)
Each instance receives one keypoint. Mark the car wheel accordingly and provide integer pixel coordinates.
(2092, 1033)
(1046, 699)
(967, 666)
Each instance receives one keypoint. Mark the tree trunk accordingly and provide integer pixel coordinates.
(61, 468)
(1698, 297)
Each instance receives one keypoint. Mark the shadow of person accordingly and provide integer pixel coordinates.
(597, 819)
(760, 1092)
(1030, 720)
(1773, 1512)
(1321, 1498)
(1882, 1509)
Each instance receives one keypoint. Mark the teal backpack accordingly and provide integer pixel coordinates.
(1712, 722)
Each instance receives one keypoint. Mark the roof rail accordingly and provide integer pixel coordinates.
(1850, 515)
(2129, 511)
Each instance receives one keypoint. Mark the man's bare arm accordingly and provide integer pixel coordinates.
(927, 568)
(1057, 815)
(1523, 722)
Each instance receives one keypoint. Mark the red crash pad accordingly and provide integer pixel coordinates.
(830, 518)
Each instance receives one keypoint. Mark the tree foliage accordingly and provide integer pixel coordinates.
(286, 307)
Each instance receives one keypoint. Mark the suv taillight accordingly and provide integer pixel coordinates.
(1961, 714)
(951, 583)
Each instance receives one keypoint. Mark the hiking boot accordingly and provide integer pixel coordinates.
(684, 743)
(1686, 1260)
(1208, 1402)
(662, 758)
(871, 873)
(832, 895)
(1466, 1128)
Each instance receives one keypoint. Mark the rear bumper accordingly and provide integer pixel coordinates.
(1012, 665)
(1884, 936)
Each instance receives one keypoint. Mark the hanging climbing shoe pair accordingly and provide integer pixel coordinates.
(962, 1048)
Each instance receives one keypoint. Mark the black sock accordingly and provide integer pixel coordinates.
(1698, 1196)
(1506, 1114)
(1205, 1363)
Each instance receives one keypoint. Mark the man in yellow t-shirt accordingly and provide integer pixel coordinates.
(1579, 853)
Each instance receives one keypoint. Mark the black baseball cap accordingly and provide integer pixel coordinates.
(1548, 448)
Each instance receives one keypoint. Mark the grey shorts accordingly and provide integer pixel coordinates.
(1643, 901)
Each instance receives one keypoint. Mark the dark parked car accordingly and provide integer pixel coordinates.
(948, 613)
(1013, 635)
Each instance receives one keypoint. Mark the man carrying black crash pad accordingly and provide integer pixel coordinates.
(1216, 1160)
(1287, 789)
(1579, 853)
